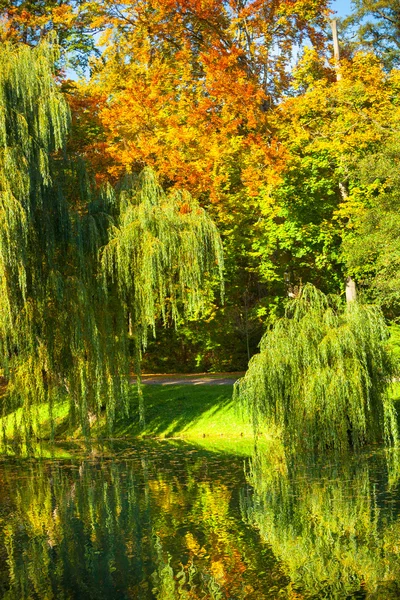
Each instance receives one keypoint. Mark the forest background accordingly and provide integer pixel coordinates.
(293, 154)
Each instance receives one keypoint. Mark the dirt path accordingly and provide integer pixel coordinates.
(192, 379)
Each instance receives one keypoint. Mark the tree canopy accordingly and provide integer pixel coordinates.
(375, 25)
(292, 153)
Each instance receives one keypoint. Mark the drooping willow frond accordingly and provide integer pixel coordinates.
(322, 375)
(79, 264)
(160, 253)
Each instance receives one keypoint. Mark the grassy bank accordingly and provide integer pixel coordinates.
(192, 412)
(202, 414)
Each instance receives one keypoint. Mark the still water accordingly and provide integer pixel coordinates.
(163, 521)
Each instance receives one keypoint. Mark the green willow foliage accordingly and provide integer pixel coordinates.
(322, 375)
(162, 247)
(330, 524)
(81, 266)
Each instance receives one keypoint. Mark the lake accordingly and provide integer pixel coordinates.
(175, 521)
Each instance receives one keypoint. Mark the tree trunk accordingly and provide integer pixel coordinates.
(351, 292)
(336, 51)
(138, 373)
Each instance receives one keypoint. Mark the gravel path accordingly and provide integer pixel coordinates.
(193, 379)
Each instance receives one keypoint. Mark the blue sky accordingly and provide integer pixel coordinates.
(341, 7)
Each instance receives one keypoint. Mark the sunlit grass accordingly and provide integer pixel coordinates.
(203, 414)
(192, 412)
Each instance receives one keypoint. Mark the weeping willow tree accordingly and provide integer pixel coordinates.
(79, 265)
(322, 375)
(160, 256)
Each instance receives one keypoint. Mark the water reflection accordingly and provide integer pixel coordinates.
(160, 523)
(164, 522)
(334, 527)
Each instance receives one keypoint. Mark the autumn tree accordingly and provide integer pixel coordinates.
(327, 130)
(30, 21)
(188, 89)
(374, 25)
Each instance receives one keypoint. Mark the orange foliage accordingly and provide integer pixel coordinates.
(27, 22)
(186, 87)
(87, 134)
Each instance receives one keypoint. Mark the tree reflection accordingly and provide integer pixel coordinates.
(138, 528)
(335, 527)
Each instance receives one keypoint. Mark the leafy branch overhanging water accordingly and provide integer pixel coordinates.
(322, 375)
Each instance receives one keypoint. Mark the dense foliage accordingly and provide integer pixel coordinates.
(372, 249)
(218, 98)
(188, 88)
(82, 267)
(322, 374)
(293, 155)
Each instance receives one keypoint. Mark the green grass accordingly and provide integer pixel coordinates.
(41, 420)
(395, 394)
(190, 411)
(204, 413)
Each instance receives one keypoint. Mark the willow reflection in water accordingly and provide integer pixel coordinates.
(335, 528)
(163, 524)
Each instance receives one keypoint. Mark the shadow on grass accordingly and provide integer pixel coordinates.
(62, 429)
(172, 409)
